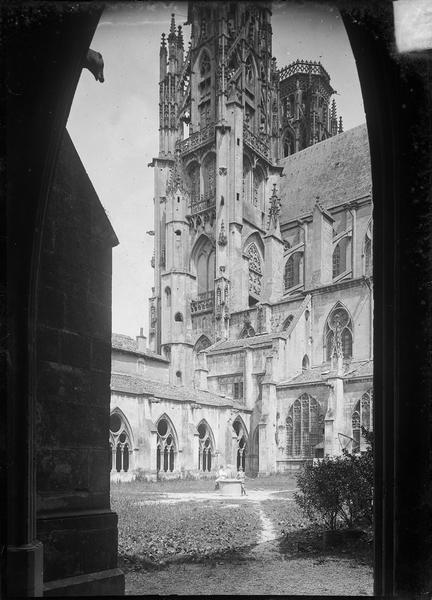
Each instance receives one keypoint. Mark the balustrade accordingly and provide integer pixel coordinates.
(197, 139)
(203, 303)
(256, 143)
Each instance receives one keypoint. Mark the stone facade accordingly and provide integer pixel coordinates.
(263, 257)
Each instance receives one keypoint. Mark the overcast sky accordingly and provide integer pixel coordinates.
(114, 125)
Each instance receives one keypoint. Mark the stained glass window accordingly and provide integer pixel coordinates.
(338, 335)
(304, 428)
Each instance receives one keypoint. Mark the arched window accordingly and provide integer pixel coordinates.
(304, 427)
(241, 444)
(120, 443)
(249, 71)
(338, 335)
(287, 322)
(368, 251)
(205, 266)
(341, 257)
(206, 450)
(178, 377)
(362, 417)
(194, 186)
(168, 296)
(258, 188)
(178, 317)
(288, 145)
(202, 344)
(293, 274)
(166, 448)
(209, 178)
(255, 271)
(305, 363)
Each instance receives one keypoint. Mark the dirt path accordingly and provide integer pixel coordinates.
(262, 570)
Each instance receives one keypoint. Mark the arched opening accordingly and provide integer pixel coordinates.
(255, 273)
(178, 317)
(202, 343)
(342, 257)
(304, 428)
(193, 172)
(166, 448)
(362, 417)
(241, 444)
(293, 273)
(258, 188)
(338, 334)
(120, 442)
(206, 447)
(168, 296)
(287, 322)
(305, 363)
(247, 179)
(204, 260)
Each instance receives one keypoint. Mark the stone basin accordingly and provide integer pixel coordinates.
(229, 487)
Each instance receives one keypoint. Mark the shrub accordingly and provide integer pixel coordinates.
(338, 491)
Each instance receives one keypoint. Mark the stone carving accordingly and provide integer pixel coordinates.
(222, 240)
(255, 270)
(223, 170)
(274, 211)
(95, 64)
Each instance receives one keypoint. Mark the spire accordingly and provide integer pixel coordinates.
(180, 37)
(333, 109)
(172, 33)
(274, 212)
(163, 42)
(340, 130)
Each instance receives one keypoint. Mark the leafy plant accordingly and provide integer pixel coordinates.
(338, 491)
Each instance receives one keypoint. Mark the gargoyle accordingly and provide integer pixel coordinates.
(95, 64)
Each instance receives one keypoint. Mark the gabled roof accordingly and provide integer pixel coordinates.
(125, 343)
(337, 170)
(133, 384)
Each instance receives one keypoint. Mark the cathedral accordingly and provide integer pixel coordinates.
(259, 353)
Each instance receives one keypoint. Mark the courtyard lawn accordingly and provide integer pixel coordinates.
(154, 534)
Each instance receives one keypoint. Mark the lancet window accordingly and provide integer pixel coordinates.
(255, 270)
(362, 417)
(338, 335)
(209, 178)
(304, 428)
(341, 257)
(165, 449)
(120, 443)
(206, 449)
(293, 273)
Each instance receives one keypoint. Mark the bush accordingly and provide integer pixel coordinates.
(338, 491)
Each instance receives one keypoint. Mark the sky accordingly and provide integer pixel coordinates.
(114, 125)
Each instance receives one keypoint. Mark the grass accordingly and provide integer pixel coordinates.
(152, 535)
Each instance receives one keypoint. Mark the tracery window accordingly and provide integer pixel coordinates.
(255, 270)
(338, 335)
(194, 178)
(120, 443)
(368, 251)
(304, 427)
(206, 449)
(209, 177)
(241, 443)
(341, 257)
(165, 449)
(293, 270)
(362, 417)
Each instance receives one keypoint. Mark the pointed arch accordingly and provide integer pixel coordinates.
(338, 333)
(166, 445)
(241, 442)
(254, 254)
(121, 441)
(204, 63)
(287, 322)
(208, 177)
(367, 250)
(206, 447)
(288, 142)
(305, 363)
(342, 257)
(362, 416)
(293, 272)
(304, 427)
(203, 264)
(202, 343)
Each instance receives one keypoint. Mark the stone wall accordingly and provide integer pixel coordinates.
(74, 520)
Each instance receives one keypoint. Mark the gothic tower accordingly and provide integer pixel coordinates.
(218, 151)
(305, 93)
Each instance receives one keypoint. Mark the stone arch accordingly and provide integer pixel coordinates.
(304, 427)
(120, 441)
(338, 335)
(167, 446)
(341, 257)
(202, 263)
(206, 446)
(241, 442)
(202, 343)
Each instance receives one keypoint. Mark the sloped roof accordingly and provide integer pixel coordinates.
(248, 342)
(321, 374)
(337, 170)
(133, 384)
(125, 343)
